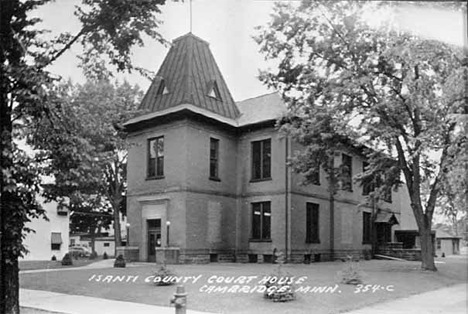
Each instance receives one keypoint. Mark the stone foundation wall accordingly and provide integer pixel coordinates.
(296, 257)
(395, 249)
(407, 254)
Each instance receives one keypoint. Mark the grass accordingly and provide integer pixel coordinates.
(33, 265)
(406, 277)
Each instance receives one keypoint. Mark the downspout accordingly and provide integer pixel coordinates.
(286, 199)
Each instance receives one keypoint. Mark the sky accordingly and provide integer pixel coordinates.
(228, 25)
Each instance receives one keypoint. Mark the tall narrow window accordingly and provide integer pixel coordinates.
(387, 194)
(156, 157)
(261, 159)
(366, 228)
(312, 223)
(367, 184)
(214, 158)
(315, 176)
(347, 172)
(261, 221)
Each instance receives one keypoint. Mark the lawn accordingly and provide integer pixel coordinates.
(404, 278)
(33, 265)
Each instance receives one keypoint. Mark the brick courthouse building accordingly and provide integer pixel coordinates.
(207, 176)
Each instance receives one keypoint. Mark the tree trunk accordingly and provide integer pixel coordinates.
(93, 239)
(427, 249)
(10, 277)
(117, 235)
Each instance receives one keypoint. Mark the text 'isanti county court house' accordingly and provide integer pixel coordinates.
(208, 177)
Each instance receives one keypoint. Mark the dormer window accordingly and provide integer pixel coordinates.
(213, 91)
(162, 90)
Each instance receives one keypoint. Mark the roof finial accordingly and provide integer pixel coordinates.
(190, 16)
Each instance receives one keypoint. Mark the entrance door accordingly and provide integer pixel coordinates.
(384, 232)
(154, 238)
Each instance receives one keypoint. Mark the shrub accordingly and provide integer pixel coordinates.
(93, 255)
(164, 276)
(104, 256)
(67, 260)
(54, 258)
(278, 288)
(367, 255)
(120, 261)
(351, 273)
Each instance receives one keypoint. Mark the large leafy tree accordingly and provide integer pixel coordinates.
(401, 95)
(83, 147)
(109, 30)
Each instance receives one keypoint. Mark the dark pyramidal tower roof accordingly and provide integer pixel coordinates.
(189, 75)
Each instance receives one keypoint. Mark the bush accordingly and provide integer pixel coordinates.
(164, 276)
(54, 258)
(93, 255)
(104, 256)
(278, 289)
(67, 260)
(351, 273)
(120, 261)
(367, 255)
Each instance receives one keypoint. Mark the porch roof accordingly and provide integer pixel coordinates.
(387, 218)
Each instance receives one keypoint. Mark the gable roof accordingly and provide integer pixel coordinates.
(189, 73)
(261, 108)
(445, 234)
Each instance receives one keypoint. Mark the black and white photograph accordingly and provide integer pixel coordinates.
(233, 156)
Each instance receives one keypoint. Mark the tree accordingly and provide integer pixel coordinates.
(453, 199)
(402, 96)
(84, 147)
(109, 30)
(90, 214)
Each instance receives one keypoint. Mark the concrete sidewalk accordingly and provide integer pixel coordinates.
(450, 300)
(76, 304)
(108, 263)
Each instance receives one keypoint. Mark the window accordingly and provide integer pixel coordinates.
(162, 90)
(387, 194)
(367, 184)
(312, 223)
(214, 158)
(366, 228)
(106, 244)
(72, 242)
(347, 172)
(439, 244)
(261, 159)
(156, 157)
(261, 221)
(314, 176)
(56, 241)
(213, 91)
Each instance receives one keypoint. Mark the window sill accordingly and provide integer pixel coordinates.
(313, 242)
(260, 180)
(154, 178)
(260, 240)
(215, 179)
